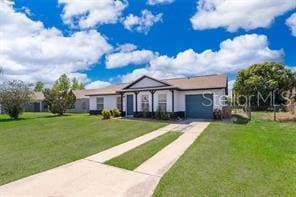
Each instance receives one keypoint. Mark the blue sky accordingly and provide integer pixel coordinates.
(167, 32)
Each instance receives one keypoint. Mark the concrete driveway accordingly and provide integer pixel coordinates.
(90, 177)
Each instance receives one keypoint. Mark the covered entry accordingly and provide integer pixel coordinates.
(130, 105)
(199, 106)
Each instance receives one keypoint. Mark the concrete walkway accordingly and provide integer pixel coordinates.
(163, 160)
(90, 177)
(122, 148)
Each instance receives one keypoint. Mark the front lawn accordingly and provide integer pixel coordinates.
(255, 159)
(41, 141)
(135, 157)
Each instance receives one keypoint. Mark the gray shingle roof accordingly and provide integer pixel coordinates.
(188, 83)
(199, 82)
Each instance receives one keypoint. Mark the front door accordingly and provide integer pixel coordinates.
(130, 105)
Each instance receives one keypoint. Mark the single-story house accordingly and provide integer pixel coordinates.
(190, 97)
(81, 105)
(37, 104)
(82, 102)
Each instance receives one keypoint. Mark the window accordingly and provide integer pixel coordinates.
(118, 103)
(145, 102)
(100, 103)
(162, 102)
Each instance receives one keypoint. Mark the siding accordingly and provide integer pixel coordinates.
(146, 82)
(110, 100)
(81, 106)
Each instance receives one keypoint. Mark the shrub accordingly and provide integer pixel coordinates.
(226, 111)
(13, 96)
(116, 112)
(162, 115)
(145, 114)
(218, 114)
(106, 114)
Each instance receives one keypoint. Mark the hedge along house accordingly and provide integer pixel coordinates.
(193, 97)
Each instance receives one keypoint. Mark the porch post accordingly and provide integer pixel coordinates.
(121, 102)
(152, 107)
(136, 95)
(173, 103)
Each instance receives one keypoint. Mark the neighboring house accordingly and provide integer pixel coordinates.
(37, 104)
(194, 97)
(82, 102)
(81, 105)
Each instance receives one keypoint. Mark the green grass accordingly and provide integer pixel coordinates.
(133, 158)
(254, 159)
(41, 141)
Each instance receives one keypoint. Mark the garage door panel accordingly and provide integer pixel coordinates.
(199, 106)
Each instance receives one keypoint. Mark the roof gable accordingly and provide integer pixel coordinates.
(146, 82)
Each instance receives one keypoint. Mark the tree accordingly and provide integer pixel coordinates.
(267, 80)
(81, 86)
(60, 97)
(63, 83)
(13, 96)
(39, 86)
(76, 85)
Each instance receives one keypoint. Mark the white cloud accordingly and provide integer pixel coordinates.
(235, 14)
(143, 23)
(30, 52)
(291, 22)
(126, 47)
(233, 55)
(89, 13)
(155, 2)
(127, 57)
(97, 84)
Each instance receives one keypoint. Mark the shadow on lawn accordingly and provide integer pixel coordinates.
(8, 119)
(239, 119)
(12, 120)
(54, 116)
